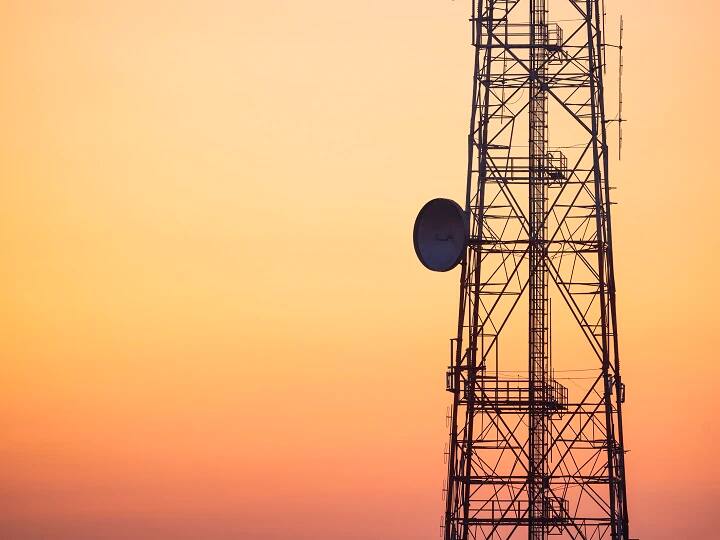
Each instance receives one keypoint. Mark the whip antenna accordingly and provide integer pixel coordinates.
(620, 98)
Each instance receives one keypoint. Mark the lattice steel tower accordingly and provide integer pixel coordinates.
(536, 444)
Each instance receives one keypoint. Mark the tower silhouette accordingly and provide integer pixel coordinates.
(536, 442)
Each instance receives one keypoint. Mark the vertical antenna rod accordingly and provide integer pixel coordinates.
(620, 96)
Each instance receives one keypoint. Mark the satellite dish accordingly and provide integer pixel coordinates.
(440, 235)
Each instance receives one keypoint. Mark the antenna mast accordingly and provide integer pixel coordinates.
(536, 440)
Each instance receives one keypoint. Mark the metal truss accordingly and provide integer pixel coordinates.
(532, 452)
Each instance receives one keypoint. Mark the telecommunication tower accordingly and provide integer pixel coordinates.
(536, 441)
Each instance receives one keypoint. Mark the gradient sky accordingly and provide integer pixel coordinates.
(213, 324)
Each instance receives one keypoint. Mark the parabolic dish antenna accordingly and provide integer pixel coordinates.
(440, 235)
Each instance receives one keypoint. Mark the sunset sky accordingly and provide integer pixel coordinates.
(212, 321)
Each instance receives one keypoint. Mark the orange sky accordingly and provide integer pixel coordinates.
(213, 323)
